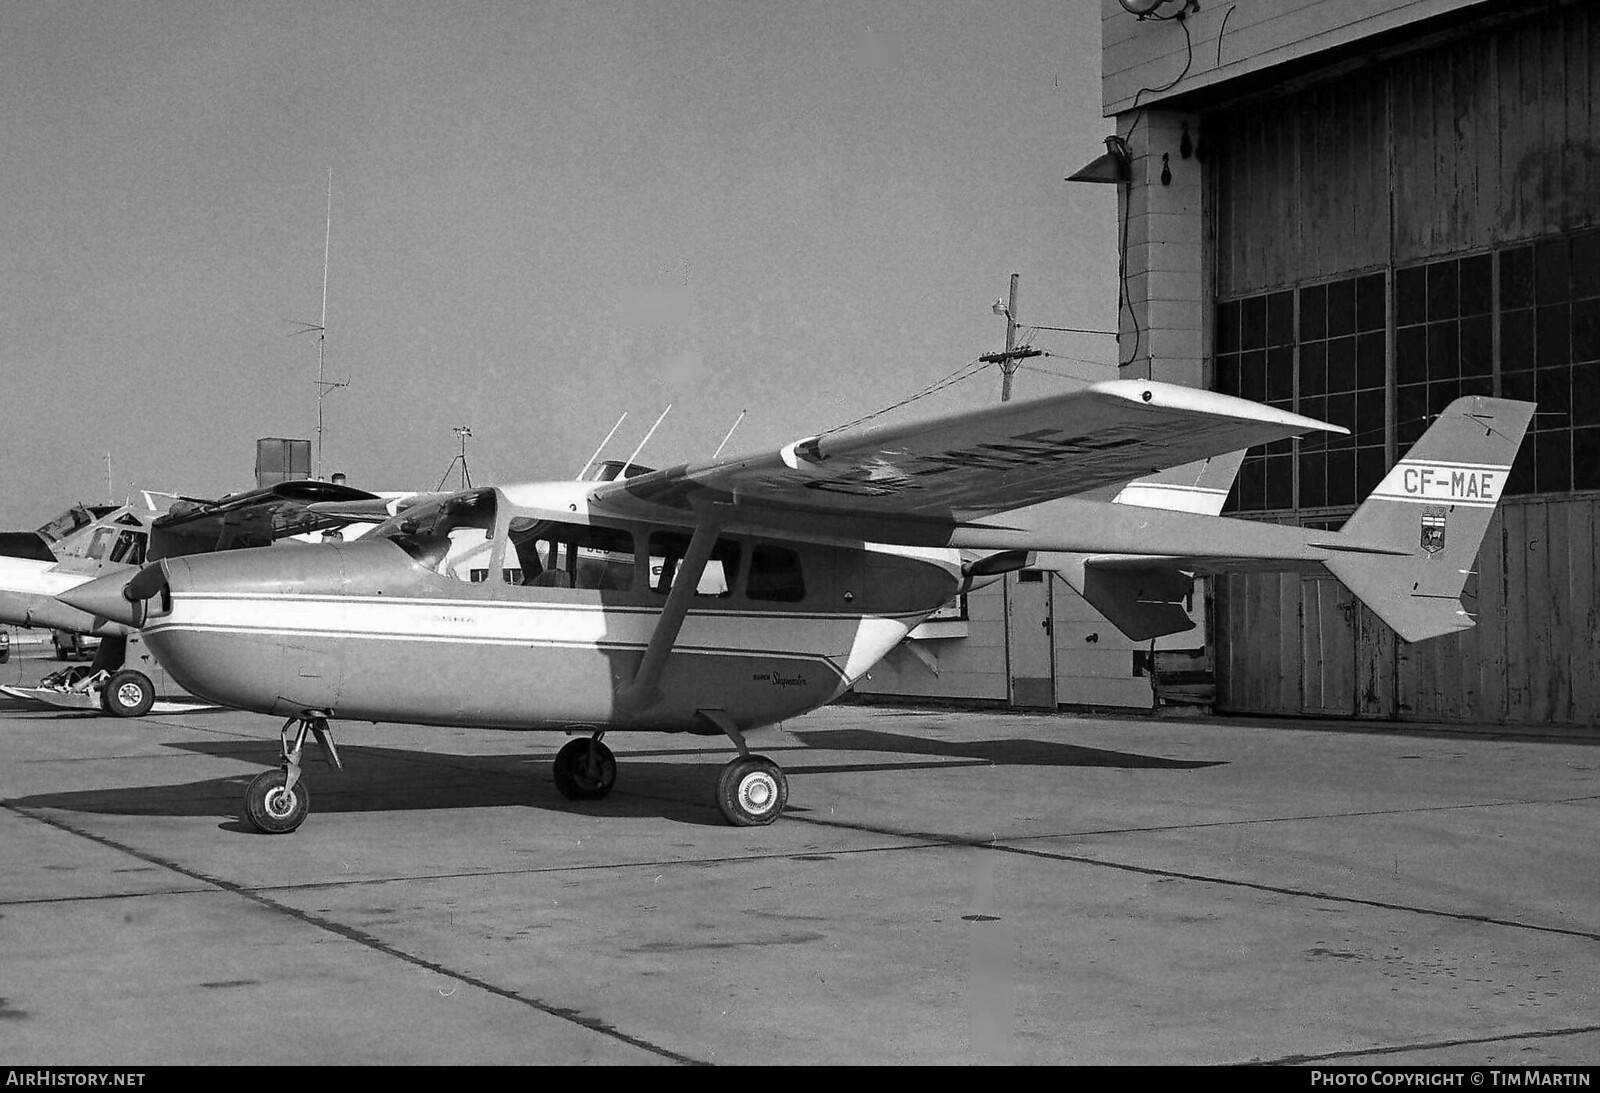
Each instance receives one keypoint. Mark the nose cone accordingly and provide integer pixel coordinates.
(110, 597)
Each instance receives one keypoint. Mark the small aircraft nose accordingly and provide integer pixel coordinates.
(115, 597)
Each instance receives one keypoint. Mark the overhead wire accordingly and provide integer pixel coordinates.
(966, 371)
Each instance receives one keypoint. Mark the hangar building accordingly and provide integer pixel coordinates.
(1357, 210)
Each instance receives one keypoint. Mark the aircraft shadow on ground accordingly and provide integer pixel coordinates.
(382, 779)
(1012, 752)
(379, 779)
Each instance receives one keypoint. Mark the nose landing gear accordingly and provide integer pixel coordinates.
(276, 802)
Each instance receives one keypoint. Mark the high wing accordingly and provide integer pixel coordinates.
(900, 483)
(1405, 553)
(255, 518)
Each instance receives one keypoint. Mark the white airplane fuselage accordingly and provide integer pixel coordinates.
(373, 631)
(29, 587)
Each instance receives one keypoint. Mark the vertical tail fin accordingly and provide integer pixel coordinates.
(1437, 502)
(1201, 486)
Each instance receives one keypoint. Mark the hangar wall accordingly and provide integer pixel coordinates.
(1291, 645)
(1407, 215)
(1226, 42)
(1358, 209)
(966, 663)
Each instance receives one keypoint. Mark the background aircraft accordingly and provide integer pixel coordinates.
(90, 541)
(724, 596)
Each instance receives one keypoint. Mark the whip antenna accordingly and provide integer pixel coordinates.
(645, 441)
(603, 444)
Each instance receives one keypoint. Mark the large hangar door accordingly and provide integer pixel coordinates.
(1327, 648)
(1347, 656)
(1384, 240)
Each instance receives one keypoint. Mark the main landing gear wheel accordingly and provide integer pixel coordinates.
(274, 807)
(751, 791)
(585, 770)
(128, 694)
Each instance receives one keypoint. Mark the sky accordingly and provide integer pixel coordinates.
(544, 215)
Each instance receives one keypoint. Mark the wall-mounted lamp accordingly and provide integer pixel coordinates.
(1115, 166)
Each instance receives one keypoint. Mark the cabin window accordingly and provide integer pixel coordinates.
(775, 575)
(557, 555)
(129, 548)
(68, 522)
(100, 543)
(507, 574)
(667, 550)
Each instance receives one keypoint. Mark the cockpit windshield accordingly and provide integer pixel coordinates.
(68, 522)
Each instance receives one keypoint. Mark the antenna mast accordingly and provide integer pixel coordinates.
(462, 433)
(323, 385)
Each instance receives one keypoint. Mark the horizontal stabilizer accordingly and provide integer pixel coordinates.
(1143, 601)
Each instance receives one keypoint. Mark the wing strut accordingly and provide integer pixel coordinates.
(645, 690)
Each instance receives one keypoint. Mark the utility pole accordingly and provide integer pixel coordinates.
(1012, 357)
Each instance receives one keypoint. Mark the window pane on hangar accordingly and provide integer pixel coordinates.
(1324, 358)
(1445, 324)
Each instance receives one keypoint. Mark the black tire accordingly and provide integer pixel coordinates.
(752, 791)
(585, 770)
(128, 694)
(271, 808)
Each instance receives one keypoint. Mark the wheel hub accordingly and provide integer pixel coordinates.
(280, 803)
(757, 792)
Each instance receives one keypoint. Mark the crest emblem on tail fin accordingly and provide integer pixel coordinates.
(1433, 521)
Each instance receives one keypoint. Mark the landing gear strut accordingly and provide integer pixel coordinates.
(276, 802)
(585, 770)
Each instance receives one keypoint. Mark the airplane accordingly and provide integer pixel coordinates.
(719, 597)
(87, 542)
